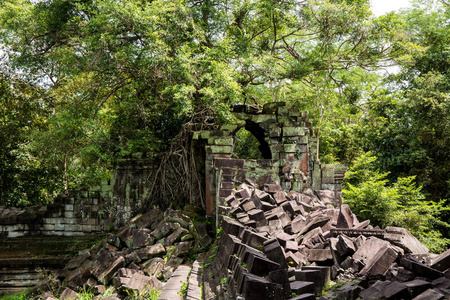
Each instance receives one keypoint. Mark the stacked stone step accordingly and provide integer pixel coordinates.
(194, 291)
(172, 288)
(275, 245)
(139, 257)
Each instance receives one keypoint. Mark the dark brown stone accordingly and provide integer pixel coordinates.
(380, 262)
(292, 260)
(275, 252)
(318, 255)
(442, 261)
(154, 266)
(78, 260)
(256, 214)
(420, 269)
(430, 294)
(261, 266)
(247, 205)
(68, 294)
(386, 290)
(417, 287)
(257, 288)
(272, 188)
(345, 219)
(142, 238)
(279, 197)
(109, 273)
(302, 287)
(139, 282)
(151, 251)
(349, 291)
(345, 246)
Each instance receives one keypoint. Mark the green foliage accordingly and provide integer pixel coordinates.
(16, 296)
(145, 294)
(101, 80)
(246, 146)
(370, 197)
(85, 294)
(183, 290)
(24, 178)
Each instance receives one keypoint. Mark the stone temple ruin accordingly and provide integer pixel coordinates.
(282, 231)
(287, 145)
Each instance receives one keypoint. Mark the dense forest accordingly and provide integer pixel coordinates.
(86, 82)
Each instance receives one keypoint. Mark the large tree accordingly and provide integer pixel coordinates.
(122, 75)
(408, 127)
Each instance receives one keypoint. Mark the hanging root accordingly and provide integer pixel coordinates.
(177, 180)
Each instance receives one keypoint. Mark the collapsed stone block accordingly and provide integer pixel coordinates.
(256, 214)
(325, 273)
(314, 276)
(78, 260)
(243, 193)
(430, 294)
(182, 249)
(442, 261)
(151, 251)
(420, 269)
(263, 197)
(109, 273)
(345, 219)
(417, 287)
(154, 266)
(292, 260)
(345, 246)
(380, 262)
(256, 288)
(275, 252)
(317, 222)
(68, 294)
(318, 255)
(272, 188)
(141, 238)
(369, 249)
(77, 277)
(139, 282)
(386, 290)
(247, 205)
(261, 266)
(176, 236)
(302, 287)
(253, 239)
(280, 276)
(441, 283)
(405, 240)
(349, 291)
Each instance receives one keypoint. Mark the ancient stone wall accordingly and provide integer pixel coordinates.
(113, 203)
(74, 215)
(286, 142)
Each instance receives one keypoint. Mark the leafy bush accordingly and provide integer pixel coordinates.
(402, 204)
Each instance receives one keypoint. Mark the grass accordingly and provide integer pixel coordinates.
(183, 290)
(146, 294)
(16, 296)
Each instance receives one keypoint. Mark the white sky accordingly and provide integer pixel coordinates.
(380, 7)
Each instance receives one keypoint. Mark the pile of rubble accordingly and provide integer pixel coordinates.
(141, 256)
(291, 246)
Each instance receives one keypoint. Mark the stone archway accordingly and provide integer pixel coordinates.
(286, 142)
